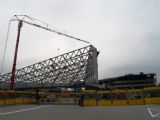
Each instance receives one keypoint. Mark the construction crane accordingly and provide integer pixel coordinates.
(32, 21)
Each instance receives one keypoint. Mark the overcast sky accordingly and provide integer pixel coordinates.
(126, 32)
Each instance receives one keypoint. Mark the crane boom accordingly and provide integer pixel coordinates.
(46, 27)
(22, 19)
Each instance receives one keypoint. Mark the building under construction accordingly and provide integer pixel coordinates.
(77, 69)
(65, 70)
(68, 69)
(130, 81)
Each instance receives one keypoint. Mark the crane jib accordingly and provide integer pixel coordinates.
(44, 27)
(22, 19)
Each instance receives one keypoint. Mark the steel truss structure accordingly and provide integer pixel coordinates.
(64, 70)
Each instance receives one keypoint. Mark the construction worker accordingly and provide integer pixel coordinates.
(37, 97)
(81, 100)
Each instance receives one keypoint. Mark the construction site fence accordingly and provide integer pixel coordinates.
(12, 97)
(150, 95)
(8, 97)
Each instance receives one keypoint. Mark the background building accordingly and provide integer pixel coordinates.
(130, 81)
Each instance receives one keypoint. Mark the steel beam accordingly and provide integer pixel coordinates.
(63, 70)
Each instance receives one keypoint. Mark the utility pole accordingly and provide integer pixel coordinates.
(15, 56)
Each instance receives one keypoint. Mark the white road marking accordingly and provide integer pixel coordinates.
(150, 112)
(155, 109)
(17, 111)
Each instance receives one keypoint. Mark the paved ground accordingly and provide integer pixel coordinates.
(74, 112)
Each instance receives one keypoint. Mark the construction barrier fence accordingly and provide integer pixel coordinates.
(8, 97)
(60, 97)
(150, 95)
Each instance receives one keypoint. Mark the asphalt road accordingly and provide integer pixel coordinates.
(74, 112)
